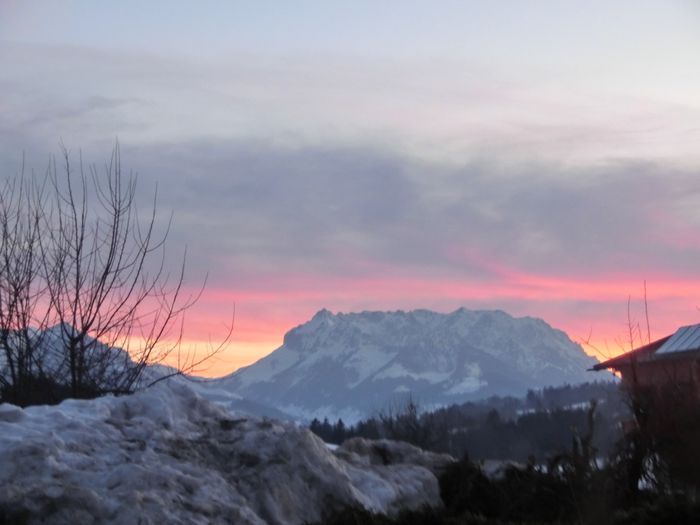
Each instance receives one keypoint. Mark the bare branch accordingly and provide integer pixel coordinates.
(73, 252)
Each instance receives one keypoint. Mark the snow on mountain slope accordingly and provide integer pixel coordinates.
(166, 455)
(351, 365)
(104, 363)
(50, 351)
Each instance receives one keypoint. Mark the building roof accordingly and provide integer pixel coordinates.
(685, 339)
(642, 353)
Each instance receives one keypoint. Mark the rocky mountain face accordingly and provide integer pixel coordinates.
(353, 365)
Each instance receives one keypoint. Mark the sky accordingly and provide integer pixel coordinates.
(539, 157)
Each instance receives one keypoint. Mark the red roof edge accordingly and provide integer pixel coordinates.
(626, 358)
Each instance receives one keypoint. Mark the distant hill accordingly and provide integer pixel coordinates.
(351, 365)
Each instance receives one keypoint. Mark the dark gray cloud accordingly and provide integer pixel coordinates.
(247, 207)
(290, 209)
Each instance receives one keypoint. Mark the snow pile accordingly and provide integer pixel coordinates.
(393, 473)
(387, 452)
(166, 455)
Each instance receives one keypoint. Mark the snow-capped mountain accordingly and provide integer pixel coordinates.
(353, 365)
(51, 356)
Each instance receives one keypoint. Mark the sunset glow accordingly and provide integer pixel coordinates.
(539, 159)
(593, 313)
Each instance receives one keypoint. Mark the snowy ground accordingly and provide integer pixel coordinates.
(166, 455)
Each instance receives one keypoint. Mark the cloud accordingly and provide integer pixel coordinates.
(452, 110)
(356, 211)
(89, 108)
(307, 184)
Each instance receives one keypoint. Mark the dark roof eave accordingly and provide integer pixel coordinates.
(626, 358)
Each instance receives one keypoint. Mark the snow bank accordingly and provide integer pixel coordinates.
(166, 455)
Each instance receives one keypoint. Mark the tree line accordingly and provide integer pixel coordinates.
(508, 428)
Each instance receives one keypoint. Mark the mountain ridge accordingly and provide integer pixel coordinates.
(352, 364)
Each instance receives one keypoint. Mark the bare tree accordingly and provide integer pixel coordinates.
(404, 422)
(22, 289)
(80, 268)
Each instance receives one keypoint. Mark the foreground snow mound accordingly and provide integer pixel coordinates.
(168, 456)
(394, 473)
(387, 452)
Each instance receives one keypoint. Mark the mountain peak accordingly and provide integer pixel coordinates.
(322, 315)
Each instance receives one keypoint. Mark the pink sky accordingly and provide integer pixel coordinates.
(589, 311)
